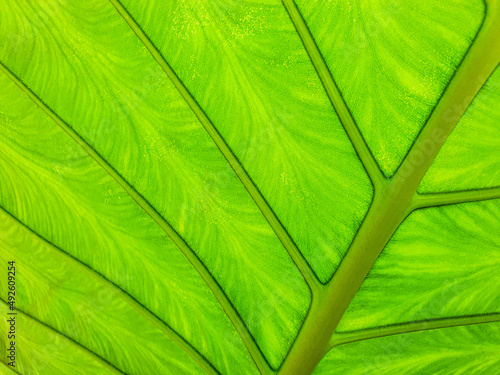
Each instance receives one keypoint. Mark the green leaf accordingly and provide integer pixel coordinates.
(465, 161)
(398, 57)
(202, 187)
(438, 264)
(470, 349)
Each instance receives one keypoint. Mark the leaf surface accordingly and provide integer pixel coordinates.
(201, 187)
(437, 265)
(398, 63)
(465, 161)
(110, 236)
(467, 349)
(246, 67)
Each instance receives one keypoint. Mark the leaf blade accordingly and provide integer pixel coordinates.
(438, 264)
(468, 158)
(279, 132)
(100, 215)
(397, 64)
(471, 348)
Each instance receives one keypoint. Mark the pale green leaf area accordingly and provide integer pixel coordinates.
(471, 350)
(108, 233)
(235, 187)
(162, 151)
(470, 156)
(89, 310)
(6, 370)
(46, 352)
(441, 262)
(385, 53)
(245, 65)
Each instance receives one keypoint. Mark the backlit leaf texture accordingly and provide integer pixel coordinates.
(245, 187)
(466, 349)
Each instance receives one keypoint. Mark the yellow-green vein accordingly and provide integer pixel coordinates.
(338, 103)
(393, 202)
(424, 325)
(159, 220)
(290, 246)
(70, 341)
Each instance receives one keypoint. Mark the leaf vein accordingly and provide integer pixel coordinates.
(456, 197)
(91, 353)
(282, 234)
(393, 202)
(417, 326)
(123, 294)
(365, 156)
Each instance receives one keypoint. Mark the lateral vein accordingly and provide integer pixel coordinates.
(370, 164)
(393, 203)
(423, 325)
(282, 234)
(124, 295)
(441, 199)
(74, 343)
(144, 204)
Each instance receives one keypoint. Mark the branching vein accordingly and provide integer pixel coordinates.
(393, 202)
(77, 345)
(226, 151)
(370, 164)
(130, 300)
(424, 325)
(160, 221)
(441, 199)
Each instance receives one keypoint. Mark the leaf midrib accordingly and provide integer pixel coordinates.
(356, 138)
(396, 199)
